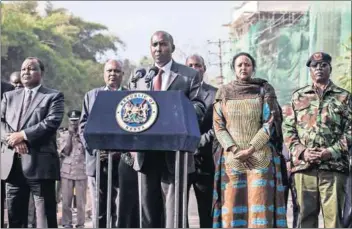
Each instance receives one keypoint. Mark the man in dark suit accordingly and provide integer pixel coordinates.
(15, 79)
(203, 178)
(30, 118)
(4, 88)
(113, 77)
(157, 169)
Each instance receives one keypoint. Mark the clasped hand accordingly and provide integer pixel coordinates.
(244, 155)
(316, 155)
(16, 140)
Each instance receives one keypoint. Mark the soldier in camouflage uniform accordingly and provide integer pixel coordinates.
(318, 134)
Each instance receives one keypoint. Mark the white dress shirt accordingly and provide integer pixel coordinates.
(166, 75)
(34, 92)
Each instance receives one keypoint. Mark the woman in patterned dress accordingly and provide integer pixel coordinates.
(248, 189)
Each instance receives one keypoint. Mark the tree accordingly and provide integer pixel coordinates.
(146, 62)
(128, 69)
(69, 47)
(343, 67)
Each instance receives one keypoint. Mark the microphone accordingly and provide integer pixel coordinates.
(153, 71)
(139, 73)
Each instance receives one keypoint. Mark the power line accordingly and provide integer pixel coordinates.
(219, 54)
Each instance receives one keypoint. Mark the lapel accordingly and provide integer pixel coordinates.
(37, 99)
(17, 107)
(173, 74)
(206, 91)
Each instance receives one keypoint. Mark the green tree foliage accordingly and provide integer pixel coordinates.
(342, 68)
(69, 47)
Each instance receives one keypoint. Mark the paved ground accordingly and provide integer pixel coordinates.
(193, 215)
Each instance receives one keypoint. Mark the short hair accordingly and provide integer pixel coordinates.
(242, 54)
(196, 55)
(41, 65)
(117, 61)
(168, 35)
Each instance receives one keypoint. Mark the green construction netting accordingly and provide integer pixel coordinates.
(282, 49)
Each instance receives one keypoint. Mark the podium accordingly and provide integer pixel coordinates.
(144, 121)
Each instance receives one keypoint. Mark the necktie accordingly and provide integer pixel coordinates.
(158, 80)
(26, 103)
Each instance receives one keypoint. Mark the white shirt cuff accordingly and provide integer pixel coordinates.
(24, 135)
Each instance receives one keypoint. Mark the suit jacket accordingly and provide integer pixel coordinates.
(6, 87)
(185, 79)
(88, 103)
(40, 123)
(204, 158)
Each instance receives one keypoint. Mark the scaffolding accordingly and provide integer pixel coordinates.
(282, 41)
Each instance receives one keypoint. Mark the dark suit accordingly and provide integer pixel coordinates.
(119, 172)
(4, 88)
(37, 170)
(157, 169)
(203, 178)
(347, 212)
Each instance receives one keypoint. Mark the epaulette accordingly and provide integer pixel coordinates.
(301, 88)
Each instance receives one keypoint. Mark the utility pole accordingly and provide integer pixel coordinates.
(219, 43)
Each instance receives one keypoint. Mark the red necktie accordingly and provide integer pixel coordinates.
(158, 80)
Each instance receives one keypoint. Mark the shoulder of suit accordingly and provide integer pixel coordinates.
(48, 90)
(183, 69)
(94, 90)
(209, 87)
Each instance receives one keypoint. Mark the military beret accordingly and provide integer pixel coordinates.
(74, 115)
(318, 57)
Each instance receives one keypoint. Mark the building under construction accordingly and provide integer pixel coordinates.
(282, 34)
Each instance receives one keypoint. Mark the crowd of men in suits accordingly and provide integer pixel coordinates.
(33, 159)
(31, 115)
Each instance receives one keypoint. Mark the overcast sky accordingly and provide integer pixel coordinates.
(191, 23)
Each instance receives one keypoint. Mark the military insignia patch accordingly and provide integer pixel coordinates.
(318, 56)
(136, 112)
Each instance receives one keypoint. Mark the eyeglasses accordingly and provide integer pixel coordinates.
(322, 65)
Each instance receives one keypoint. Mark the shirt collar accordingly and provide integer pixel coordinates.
(34, 90)
(107, 88)
(166, 68)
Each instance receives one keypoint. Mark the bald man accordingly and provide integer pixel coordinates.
(113, 77)
(15, 79)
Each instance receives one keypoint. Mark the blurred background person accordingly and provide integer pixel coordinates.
(202, 179)
(73, 173)
(15, 79)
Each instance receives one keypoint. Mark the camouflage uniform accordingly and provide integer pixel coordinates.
(323, 122)
(60, 137)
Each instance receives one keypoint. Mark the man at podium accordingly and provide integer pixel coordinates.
(158, 169)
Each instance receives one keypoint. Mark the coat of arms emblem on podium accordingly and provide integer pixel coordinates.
(136, 112)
